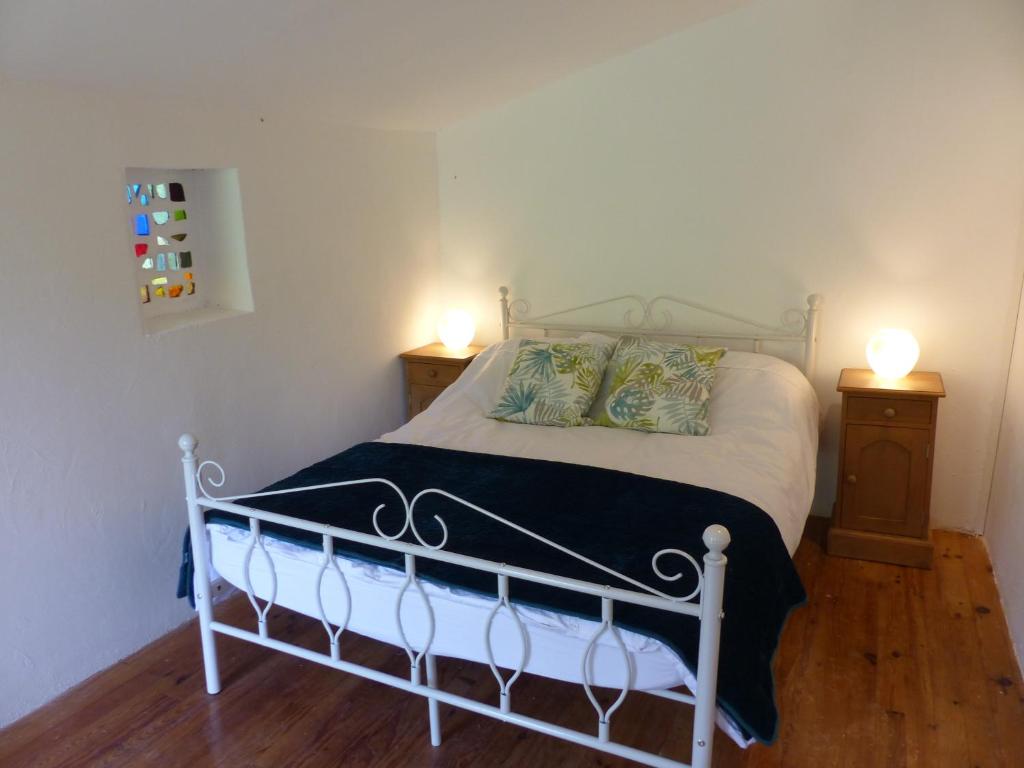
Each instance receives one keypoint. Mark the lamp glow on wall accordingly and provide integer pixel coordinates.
(456, 329)
(892, 353)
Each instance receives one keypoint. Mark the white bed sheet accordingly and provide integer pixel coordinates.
(556, 642)
(762, 447)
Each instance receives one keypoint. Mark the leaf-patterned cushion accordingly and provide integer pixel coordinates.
(552, 383)
(655, 386)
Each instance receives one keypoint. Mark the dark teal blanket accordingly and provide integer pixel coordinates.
(614, 518)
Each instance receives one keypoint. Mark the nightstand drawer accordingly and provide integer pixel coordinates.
(432, 374)
(884, 410)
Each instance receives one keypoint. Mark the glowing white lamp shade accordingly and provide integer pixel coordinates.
(456, 329)
(892, 353)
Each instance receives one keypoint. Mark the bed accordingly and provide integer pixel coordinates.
(759, 456)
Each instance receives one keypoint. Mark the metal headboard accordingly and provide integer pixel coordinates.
(652, 317)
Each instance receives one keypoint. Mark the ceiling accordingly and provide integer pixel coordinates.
(413, 64)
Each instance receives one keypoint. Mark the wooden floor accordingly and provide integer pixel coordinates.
(885, 666)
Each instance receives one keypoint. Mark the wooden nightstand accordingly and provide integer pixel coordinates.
(886, 447)
(429, 369)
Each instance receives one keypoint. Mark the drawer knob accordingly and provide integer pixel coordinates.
(432, 373)
(852, 479)
(889, 413)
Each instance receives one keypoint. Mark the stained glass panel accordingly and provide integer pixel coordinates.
(175, 291)
(161, 262)
(160, 291)
(172, 261)
(186, 259)
(180, 237)
(159, 281)
(180, 215)
(191, 288)
(144, 293)
(177, 192)
(160, 217)
(140, 249)
(142, 225)
(148, 263)
(162, 240)
(161, 191)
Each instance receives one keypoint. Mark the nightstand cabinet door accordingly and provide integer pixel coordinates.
(420, 396)
(885, 480)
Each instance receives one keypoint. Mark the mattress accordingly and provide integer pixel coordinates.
(762, 448)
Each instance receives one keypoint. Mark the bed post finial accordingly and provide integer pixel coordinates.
(187, 443)
(814, 302)
(503, 290)
(716, 539)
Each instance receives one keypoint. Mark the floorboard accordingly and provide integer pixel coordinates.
(885, 666)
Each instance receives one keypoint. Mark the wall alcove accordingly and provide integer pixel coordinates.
(187, 242)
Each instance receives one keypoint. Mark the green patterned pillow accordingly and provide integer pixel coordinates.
(552, 383)
(655, 386)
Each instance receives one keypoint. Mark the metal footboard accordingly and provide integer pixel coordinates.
(703, 603)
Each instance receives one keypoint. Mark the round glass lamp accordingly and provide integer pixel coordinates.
(456, 329)
(892, 353)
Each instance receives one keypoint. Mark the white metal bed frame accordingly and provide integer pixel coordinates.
(708, 590)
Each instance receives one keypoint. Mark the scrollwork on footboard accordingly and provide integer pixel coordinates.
(409, 525)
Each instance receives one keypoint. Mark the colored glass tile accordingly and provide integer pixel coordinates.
(191, 288)
(141, 225)
(180, 215)
(149, 189)
(144, 293)
(148, 263)
(162, 240)
(188, 275)
(160, 217)
(186, 259)
(180, 237)
(159, 281)
(177, 192)
(128, 193)
(161, 191)
(161, 262)
(160, 291)
(143, 199)
(175, 291)
(140, 249)
(173, 261)
(136, 188)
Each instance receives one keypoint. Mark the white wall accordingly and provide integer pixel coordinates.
(871, 151)
(1004, 528)
(341, 229)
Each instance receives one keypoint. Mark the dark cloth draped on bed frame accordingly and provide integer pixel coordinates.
(615, 518)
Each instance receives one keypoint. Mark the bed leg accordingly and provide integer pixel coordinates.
(432, 706)
(200, 560)
(716, 539)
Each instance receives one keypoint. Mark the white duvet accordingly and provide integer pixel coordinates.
(762, 447)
